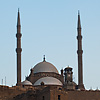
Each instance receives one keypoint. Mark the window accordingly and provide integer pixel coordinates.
(43, 98)
(58, 97)
(42, 83)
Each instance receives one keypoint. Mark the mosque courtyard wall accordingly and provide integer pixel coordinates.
(47, 93)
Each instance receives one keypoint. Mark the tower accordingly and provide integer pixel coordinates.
(69, 83)
(68, 74)
(80, 52)
(18, 50)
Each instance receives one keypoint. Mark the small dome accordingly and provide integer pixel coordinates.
(44, 67)
(26, 82)
(48, 81)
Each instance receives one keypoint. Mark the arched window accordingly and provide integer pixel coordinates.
(59, 97)
(43, 98)
(42, 83)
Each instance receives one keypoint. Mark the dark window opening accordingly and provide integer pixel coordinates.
(60, 88)
(42, 83)
(59, 97)
(43, 98)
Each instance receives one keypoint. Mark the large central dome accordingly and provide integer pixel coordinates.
(44, 67)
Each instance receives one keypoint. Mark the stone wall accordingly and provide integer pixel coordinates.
(34, 77)
(7, 93)
(83, 95)
(48, 93)
(57, 93)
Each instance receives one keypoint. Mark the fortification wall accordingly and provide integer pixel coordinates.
(83, 95)
(7, 93)
(49, 93)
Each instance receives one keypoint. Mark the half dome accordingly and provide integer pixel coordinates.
(48, 81)
(44, 67)
(26, 82)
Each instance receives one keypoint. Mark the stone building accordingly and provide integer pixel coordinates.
(45, 73)
(44, 81)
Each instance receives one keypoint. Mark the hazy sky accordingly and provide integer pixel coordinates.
(49, 27)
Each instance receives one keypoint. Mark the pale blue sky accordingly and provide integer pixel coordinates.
(50, 27)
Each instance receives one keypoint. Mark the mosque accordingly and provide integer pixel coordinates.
(45, 73)
(45, 82)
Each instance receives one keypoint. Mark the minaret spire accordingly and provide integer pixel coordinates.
(18, 19)
(79, 22)
(18, 50)
(80, 52)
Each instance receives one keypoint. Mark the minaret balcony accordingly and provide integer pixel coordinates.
(79, 37)
(18, 50)
(18, 35)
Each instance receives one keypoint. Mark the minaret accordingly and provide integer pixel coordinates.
(18, 50)
(80, 52)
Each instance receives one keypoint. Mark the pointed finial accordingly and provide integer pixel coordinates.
(44, 59)
(18, 19)
(18, 9)
(79, 22)
(78, 12)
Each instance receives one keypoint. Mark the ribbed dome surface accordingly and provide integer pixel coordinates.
(26, 82)
(44, 67)
(48, 81)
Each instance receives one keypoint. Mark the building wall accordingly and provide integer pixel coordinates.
(55, 93)
(7, 93)
(83, 95)
(34, 77)
(49, 93)
(44, 94)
